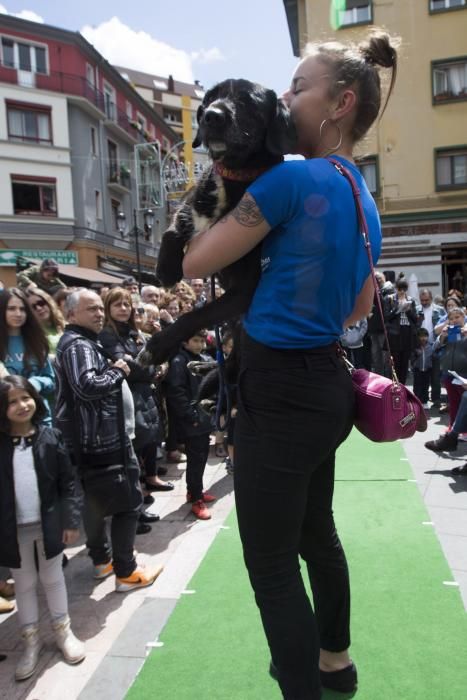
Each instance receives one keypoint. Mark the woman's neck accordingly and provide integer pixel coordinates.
(22, 429)
(14, 331)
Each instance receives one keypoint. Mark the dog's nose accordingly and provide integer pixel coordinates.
(214, 116)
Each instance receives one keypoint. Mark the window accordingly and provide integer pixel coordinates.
(440, 5)
(98, 204)
(369, 169)
(109, 102)
(33, 195)
(451, 168)
(449, 80)
(113, 161)
(129, 110)
(141, 120)
(26, 57)
(29, 123)
(94, 148)
(90, 75)
(356, 12)
(173, 116)
(116, 207)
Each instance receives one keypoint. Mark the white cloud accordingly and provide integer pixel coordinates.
(24, 14)
(204, 56)
(124, 46)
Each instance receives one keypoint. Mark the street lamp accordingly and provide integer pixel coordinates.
(136, 232)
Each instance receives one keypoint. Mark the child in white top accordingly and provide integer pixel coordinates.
(39, 515)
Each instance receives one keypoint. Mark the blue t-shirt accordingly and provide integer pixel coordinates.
(313, 260)
(41, 377)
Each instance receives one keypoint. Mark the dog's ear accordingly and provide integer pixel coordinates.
(197, 140)
(281, 135)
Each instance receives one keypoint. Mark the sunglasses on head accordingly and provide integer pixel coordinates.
(39, 304)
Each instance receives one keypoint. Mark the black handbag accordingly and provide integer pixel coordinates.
(112, 489)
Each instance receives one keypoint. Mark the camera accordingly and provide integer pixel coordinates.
(454, 334)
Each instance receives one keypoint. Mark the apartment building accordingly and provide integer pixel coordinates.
(415, 158)
(69, 125)
(177, 103)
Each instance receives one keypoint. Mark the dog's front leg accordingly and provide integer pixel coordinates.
(165, 344)
(169, 268)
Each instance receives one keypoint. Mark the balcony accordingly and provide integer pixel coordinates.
(119, 178)
(80, 91)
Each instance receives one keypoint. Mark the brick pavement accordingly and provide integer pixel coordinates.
(119, 629)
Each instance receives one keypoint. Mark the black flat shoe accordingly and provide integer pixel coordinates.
(143, 529)
(148, 500)
(344, 681)
(166, 486)
(144, 517)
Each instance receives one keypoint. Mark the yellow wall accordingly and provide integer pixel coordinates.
(411, 126)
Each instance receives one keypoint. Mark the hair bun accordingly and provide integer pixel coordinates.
(379, 50)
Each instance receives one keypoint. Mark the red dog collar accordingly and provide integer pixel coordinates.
(241, 175)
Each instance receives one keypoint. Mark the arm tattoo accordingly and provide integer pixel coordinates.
(247, 213)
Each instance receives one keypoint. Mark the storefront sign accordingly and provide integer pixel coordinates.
(63, 257)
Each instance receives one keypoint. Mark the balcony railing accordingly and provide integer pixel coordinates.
(119, 175)
(71, 85)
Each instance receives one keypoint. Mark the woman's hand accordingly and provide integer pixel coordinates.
(70, 537)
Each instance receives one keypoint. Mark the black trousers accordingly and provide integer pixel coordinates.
(294, 410)
(197, 453)
(421, 384)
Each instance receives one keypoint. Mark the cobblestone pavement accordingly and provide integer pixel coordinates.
(119, 629)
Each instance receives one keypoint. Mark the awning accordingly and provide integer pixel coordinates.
(86, 274)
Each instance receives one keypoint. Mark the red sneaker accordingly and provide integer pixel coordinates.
(199, 509)
(206, 497)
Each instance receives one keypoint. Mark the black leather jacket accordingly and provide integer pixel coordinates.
(60, 504)
(182, 395)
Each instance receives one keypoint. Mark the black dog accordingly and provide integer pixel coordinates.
(246, 130)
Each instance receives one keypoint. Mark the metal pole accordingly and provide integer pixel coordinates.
(138, 262)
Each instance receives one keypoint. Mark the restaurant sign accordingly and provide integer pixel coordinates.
(63, 257)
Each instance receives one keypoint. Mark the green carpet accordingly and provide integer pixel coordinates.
(409, 630)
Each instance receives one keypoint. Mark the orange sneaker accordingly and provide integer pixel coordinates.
(206, 497)
(140, 578)
(101, 571)
(198, 508)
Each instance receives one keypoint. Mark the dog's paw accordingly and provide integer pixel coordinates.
(145, 358)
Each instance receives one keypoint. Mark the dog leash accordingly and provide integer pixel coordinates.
(223, 393)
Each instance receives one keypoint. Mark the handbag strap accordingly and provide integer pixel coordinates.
(366, 242)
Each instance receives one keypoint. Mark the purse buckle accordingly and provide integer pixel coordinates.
(408, 419)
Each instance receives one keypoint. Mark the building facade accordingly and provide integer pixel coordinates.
(177, 103)
(415, 158)
(69, 126)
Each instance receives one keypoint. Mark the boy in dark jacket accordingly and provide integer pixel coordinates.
(192, 424)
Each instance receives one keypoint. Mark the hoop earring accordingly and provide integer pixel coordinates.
(322, 125)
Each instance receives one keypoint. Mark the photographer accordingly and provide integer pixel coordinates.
(401, 321)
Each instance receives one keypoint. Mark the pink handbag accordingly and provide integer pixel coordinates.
(385, 409)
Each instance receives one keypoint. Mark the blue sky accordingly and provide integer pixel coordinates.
(193, 39)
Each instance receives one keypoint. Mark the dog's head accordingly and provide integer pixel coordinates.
(240, 122)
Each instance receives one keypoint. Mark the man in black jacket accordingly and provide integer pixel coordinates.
(192, 424)
(95, 413)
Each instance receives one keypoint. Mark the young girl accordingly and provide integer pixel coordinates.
(39, 515)
(23, 345)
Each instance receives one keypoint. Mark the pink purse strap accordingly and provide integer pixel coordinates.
(366, 242)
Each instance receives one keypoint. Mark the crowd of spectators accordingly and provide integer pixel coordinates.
(112, 421)
(72, 391)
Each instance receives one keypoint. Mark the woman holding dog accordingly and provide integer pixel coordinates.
(295, 395)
